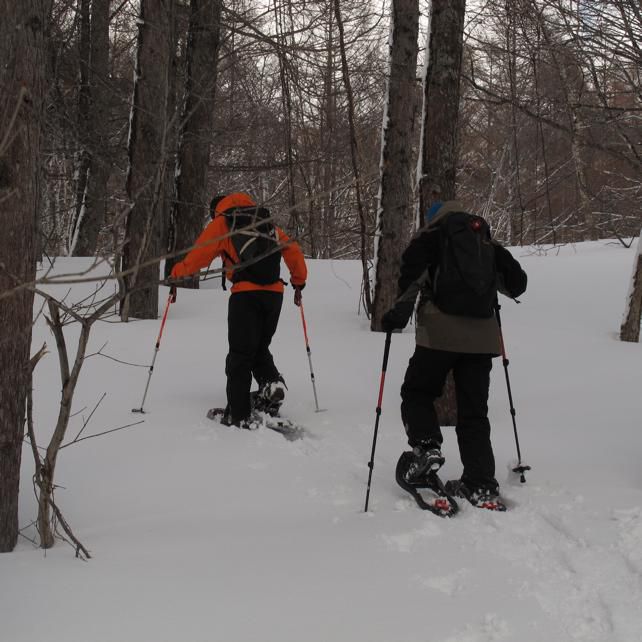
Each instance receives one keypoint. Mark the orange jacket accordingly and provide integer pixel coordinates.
(215, 241)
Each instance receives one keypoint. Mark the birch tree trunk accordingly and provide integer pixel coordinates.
(395, 209)
(190, 178)
(630, 329)
(438, 159)
(22, 87)
(147, 160)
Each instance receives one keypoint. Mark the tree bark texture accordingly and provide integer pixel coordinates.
(147, 160)
(630, 330)
(438, 169)
(91, 216)
(441, 102)
(22, 82)
(396, 193)
(192, 198)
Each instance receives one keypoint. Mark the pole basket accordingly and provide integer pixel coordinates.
(520, 470)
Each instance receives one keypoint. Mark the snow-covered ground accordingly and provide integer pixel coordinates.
(201, 533)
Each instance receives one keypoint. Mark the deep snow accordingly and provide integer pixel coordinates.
(201, 533)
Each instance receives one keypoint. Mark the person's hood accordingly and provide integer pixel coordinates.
(236, 199)
(446, 208)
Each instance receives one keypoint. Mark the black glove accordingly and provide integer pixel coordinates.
(298, 298)
(513, 279)
(397, 317)
(171, 284)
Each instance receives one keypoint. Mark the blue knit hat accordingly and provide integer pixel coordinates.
(434, 208)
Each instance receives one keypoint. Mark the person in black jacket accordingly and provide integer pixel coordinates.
(450, 341)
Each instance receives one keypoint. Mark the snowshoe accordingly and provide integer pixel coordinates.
(479, 497)
(437, 499)
(257, 420)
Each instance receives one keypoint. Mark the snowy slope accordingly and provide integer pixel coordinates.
(201, 533)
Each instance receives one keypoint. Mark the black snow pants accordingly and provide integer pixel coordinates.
(424, 382)
(252, 319)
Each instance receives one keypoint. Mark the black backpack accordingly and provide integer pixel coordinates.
(256, 242)
(465, 280)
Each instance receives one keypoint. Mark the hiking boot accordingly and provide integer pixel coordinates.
(482, 496)
(269, 397)
(427, 459)
(226, 418)
(251, 422)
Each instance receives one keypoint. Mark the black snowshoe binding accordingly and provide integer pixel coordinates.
(269, 397)
(487, 498)
(414, 474)
(427, 458)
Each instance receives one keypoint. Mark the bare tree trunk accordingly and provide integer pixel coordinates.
(22, 87)
(44, 478)
(572, 83)
(438, 160)
(167, 221)
(441, 101)
(354, 155)
(286, 102)
(82, 160)
(395, 192)
(630, 329)
(516, 200)
(147, 160)
(552, 235)
(327, 166)
(69, 377)
(91, 216)
(191, 202)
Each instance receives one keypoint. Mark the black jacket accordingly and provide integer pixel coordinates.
(436, 329)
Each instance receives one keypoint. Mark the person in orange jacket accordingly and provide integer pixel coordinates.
(256, 296)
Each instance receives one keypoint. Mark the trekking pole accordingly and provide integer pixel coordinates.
(386, 352)
(170, 299)
(307, 347)
(520, 468)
